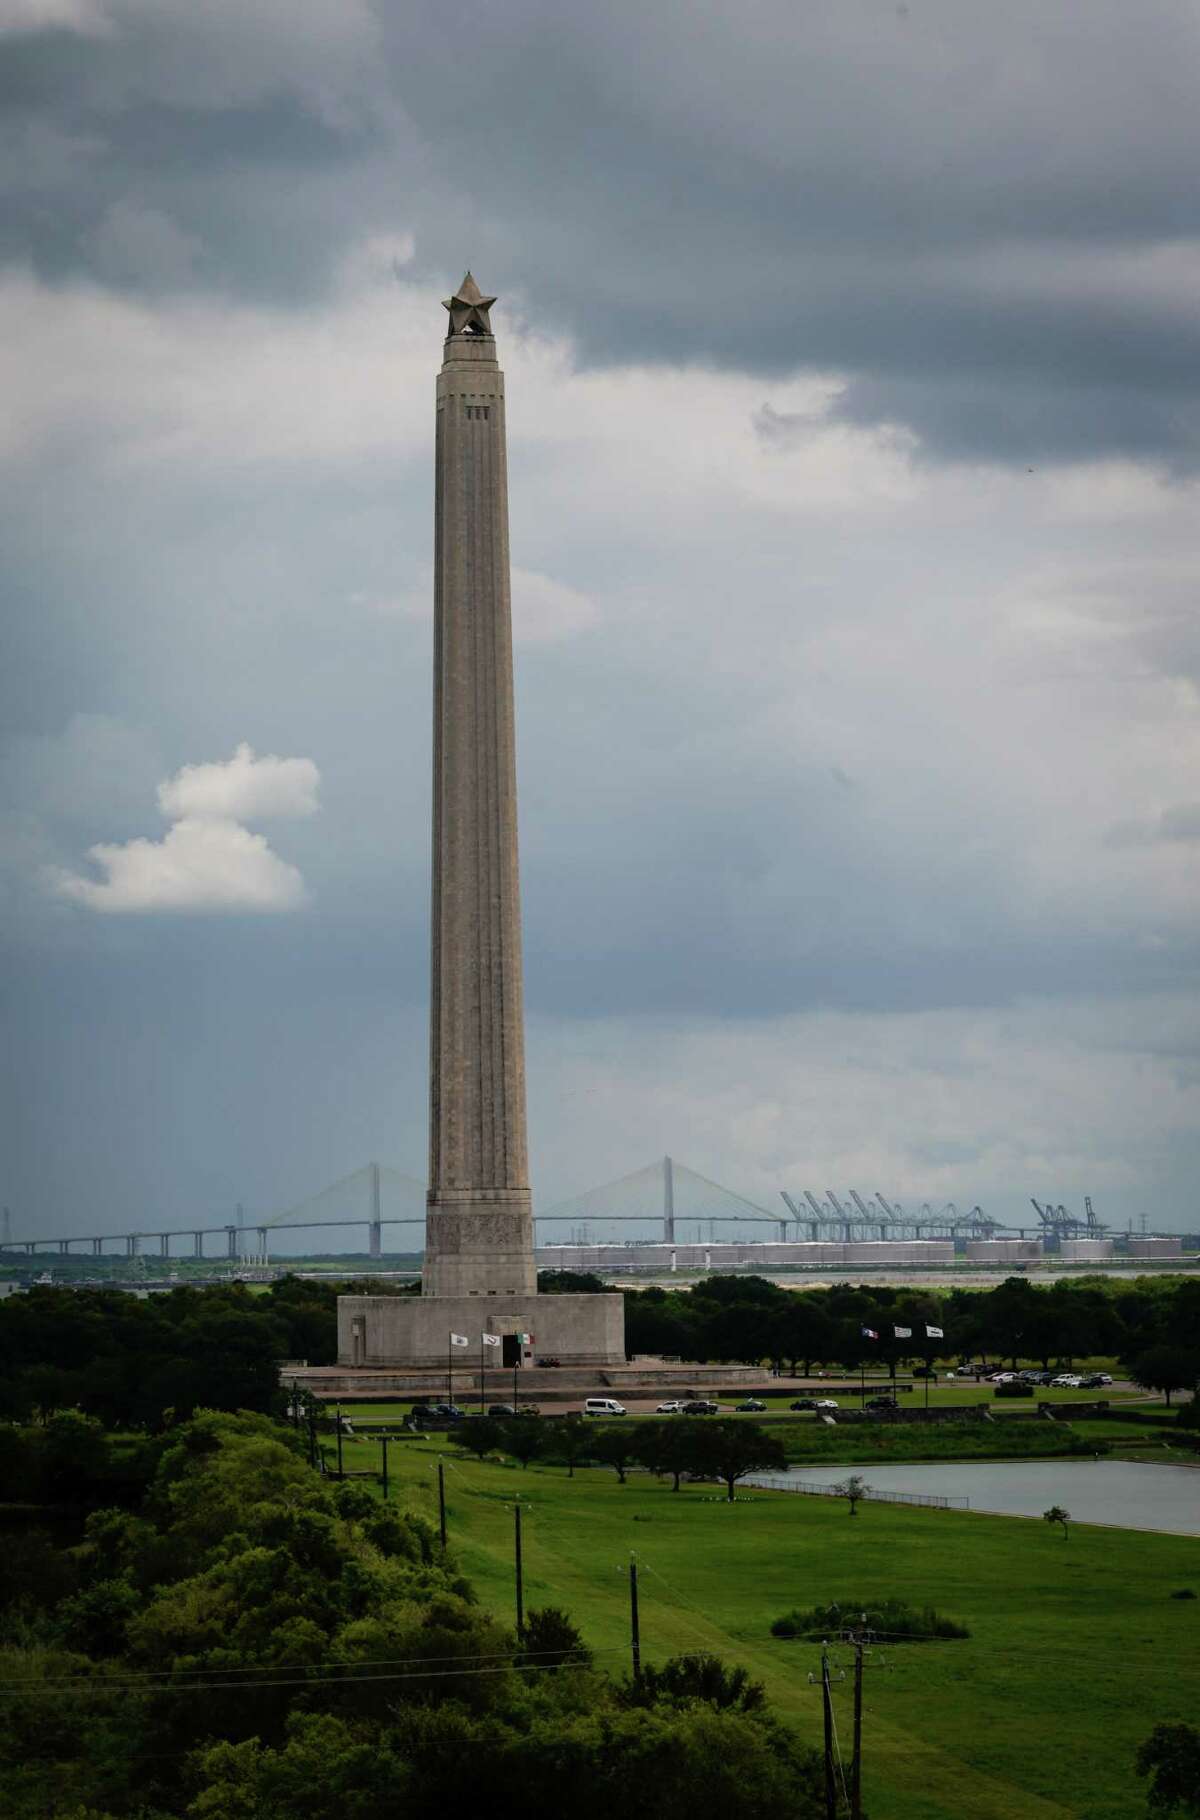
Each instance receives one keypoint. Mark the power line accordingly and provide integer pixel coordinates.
(283, 1668)
(322, 1679)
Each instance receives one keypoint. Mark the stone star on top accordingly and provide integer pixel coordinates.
(469, 309)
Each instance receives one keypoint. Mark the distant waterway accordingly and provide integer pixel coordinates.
(1121, 1493)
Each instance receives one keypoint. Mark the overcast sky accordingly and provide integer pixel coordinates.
(853, 366)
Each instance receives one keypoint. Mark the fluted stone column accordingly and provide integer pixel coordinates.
(479, 1222)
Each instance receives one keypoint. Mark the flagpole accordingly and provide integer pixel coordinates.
(449, 1369)
(482, 1370)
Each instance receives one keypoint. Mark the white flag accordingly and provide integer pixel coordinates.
(934, 1333)
(902, 1333)
(490, 1339)
(459, 1339)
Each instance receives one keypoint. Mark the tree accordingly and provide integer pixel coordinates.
(1170, 1756)
(729, 1450)
(854, 1489)
(664, 1447)
(699, 1676)
(523, 1439)
(552, 1640)
(1167, 1368)
(1056, 1514)
(478, 1435)
(572, 1445)
(616, 1446)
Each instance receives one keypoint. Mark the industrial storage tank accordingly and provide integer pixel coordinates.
(1078, 1251)
(1003, 1251)
(1141, 1247)
(771, 1254)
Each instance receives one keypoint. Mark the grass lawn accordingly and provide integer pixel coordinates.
(1076, 1648)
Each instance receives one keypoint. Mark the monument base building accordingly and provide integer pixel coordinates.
(392, 1330)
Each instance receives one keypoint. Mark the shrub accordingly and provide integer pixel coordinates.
(890, 1618)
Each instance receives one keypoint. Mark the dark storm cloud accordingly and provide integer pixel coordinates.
(884, 192)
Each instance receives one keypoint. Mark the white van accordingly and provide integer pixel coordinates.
(604, 1406)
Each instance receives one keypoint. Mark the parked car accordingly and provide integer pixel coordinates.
(825, 1403)
(752, 1406)
(1095, 1380)
(700, 1406)
(881, 1403)
(1066, 1380)
(1003, 1377)
(803, 1403)
(669, 1409)
(437, 1414)
(501, 1409)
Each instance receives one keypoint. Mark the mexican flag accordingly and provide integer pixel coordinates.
(525, 1339)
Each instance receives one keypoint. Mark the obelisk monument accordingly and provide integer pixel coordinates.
(479, 1224)
(479, 1282)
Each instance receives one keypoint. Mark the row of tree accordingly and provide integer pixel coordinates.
(748, 1319)
(246, 1639)
(699, 1447)
(135, 1362)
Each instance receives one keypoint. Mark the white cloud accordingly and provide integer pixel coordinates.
(546, 611)
(207, 860)
(242, 788)
(198, 865)
(20, 18)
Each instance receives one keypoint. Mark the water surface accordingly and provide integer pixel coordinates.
(1123, 1493)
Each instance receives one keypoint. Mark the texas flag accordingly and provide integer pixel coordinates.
(459, 1339)
(869, 1333)
(490, 1339)
(934, 1333)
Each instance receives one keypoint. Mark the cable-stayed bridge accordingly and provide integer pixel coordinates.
(664, 1193)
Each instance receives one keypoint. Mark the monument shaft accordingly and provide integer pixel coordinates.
(479, 1223)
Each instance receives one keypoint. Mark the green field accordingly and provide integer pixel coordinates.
(1076, 1648)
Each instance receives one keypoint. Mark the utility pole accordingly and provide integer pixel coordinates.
(856, 1766)
(337, 1416)
(442, 1501)
(635, 1634)
(520, 1579)
(383, 1442)
(827, 1703)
